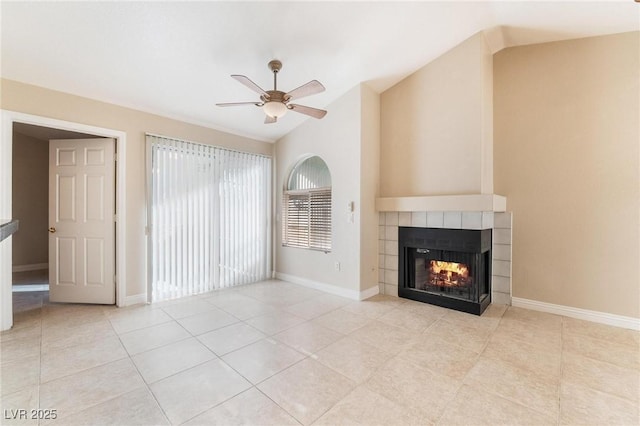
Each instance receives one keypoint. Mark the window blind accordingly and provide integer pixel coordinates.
(320, 213)
(307, 219)
(209, 217)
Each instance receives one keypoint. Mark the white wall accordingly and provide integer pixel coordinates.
(335, 139)
(347, 140)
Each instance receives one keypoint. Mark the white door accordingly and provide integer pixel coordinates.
(81, 221)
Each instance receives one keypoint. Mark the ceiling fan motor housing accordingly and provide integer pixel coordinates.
(275, 96)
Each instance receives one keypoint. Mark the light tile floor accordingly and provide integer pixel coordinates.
(277, 353)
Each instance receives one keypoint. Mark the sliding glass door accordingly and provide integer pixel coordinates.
(209, 217)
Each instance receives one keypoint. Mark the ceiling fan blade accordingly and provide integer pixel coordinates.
(250, 84)
(228, 104)
(313, 112)
(269, 120)
(310, 88)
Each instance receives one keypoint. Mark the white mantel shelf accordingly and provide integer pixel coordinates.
(464, 203)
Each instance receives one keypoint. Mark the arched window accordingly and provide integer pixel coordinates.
(306, 206)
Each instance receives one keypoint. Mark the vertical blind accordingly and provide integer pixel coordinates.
(209, 218)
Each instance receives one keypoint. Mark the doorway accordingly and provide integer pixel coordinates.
(22, 121)
(30, 204)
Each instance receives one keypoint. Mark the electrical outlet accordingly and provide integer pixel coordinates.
(337, 266)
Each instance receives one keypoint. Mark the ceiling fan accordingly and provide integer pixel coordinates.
(275, 103)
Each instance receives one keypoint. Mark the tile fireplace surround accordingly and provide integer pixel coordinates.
(499, 222)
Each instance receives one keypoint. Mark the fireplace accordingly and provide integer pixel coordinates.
(445, 267)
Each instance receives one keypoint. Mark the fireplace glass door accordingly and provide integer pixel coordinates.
(446, 273)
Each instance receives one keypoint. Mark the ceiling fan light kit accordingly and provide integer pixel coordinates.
(274, 109)
(275, 103)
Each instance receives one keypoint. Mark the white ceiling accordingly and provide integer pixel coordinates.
(175, 58)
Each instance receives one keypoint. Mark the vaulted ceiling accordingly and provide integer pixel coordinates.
(175, 58)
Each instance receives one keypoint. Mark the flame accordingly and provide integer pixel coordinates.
(449, 268)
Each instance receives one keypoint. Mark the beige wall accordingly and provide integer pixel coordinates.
(347, 140)
(369, 186)
(30, 194)
(566, 155)
(436, 126)
(63, 106)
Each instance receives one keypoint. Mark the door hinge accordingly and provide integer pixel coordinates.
(115, 278)
(115, 217)
(147, 230)
(115, 156)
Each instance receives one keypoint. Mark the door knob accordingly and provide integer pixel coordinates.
(52, 230)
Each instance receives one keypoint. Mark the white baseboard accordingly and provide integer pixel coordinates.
(583, 314)
(31, 267)
(328, 288)
(136, 299)
(370, 292)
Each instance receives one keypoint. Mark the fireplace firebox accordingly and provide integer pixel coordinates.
(445, 267)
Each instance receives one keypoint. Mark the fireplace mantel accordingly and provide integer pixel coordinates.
(463, 203)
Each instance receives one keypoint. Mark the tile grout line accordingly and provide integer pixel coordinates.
(73, 346)
(129, 357)
(40, 358)
(560, 378)
(278, 405)
(375, 369)
(219, 358)
(146, 385)
(517, 402)
(282, 309)
(513, 400)
(463, 379)
(306, 356)
(241, 375)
